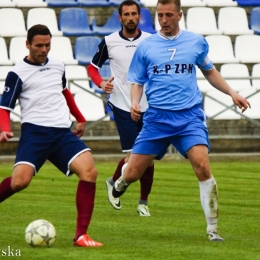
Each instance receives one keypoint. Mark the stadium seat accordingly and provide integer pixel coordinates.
(46, 16)
(146, 23)
(254, 21)
(149, 3)
(85, 47)
(158, 27)
(256, 73)
(29, 3)
(215, 106)
(248, 2)
(7, 3)
(246, 48)
(192, 3)
(12, 22)
(62, 3)
(77, 74)
(61, 48)
(202, 82)
(4, 60)
(112, 25)
(116, 3)
(94, 3)
(3, 73)
(220, 3)
(105, 73)
(91, 105)
(221, 49)
(233, 21)
(237, 72)
(202, 20)
(17, 48)
(74, 22)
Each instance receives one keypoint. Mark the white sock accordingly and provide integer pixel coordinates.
(122, 173)
(209, 202)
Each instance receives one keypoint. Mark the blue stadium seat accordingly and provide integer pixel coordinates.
(112, 25)
(94, 3)
(62, 3)
(118, 2)
(105, 74)
(146, 23)
(74, 22)
(254, 21)
(85, 48)
(248, 2)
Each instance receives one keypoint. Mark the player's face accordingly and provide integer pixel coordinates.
(130, 18)
(168, 18)
(39, 48)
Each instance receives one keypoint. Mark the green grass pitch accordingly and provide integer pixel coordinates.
(176, 229)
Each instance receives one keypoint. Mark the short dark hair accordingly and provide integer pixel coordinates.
(38, 29)
(176, 2)
(128, 2)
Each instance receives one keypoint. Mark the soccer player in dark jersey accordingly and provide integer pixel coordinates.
(39, 83)
(119, 48)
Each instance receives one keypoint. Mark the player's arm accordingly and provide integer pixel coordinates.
(74, 110)
(136, 95)
(218, 82)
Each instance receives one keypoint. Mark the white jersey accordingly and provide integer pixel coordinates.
(39, 91)
(119, 50)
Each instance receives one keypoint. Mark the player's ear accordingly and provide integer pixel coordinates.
(180, 15)
(27, 44)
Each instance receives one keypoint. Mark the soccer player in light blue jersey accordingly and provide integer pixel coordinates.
(166, 62)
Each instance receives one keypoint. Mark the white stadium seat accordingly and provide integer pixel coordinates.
(17, 49)
(7, 3)
(256, 73)
(30, 3)
(4, 60)
(189, 3)
(221, 49)
(44, 16)
(202, 20)
(12, 22)
(220, 3)
(233, 21)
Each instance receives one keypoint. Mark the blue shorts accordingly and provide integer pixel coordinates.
(39, 143)
(183, 129)
(127, 128)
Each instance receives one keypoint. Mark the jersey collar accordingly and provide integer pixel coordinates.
(123, 37)
(35, 64)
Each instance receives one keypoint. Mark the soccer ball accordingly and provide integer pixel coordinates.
(40, 233)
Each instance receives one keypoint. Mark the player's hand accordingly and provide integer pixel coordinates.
(80, 129)
(5, 136)
(135, 112)
(107, 86)
(241, 102)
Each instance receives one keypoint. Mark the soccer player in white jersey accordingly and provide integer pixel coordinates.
(119, 48)
(174, 115)
(39, 83)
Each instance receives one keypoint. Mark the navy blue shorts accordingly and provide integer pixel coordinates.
(39, 143)
(183, 129)
(127, 128)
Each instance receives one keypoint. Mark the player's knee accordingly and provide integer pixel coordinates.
(19, 184)
(202, 170)
(89, 175)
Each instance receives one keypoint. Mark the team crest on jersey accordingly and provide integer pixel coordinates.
(6, 89)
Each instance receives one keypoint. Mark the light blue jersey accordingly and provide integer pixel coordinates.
(169, 68)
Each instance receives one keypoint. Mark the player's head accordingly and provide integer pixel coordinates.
(38, 43)
(129, 15)
(169, 15)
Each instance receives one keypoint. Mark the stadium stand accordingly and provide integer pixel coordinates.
(221, 49)
(77, 77)
(7, 3)
(3, 73)
(86, 101)
(29, 3)
(17, 48)
(248, 2)
(85, 47)
(62, 3)
(220, 3)
(254, 21)
(74, 22)
(256, 74)
(4, 60)
(146, 22)
(245, 48)
(233, 21)
(61, 48)
(116, 3)
(46, 16)
(12, 22)
(192, 3)
(112, 25)
(202, 20)
(149, 3)
(94, 3)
